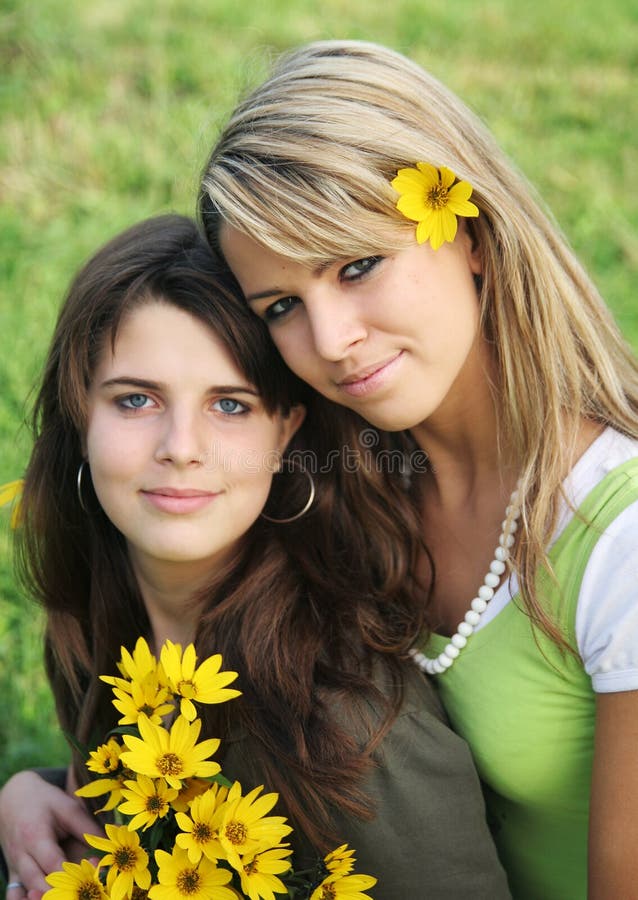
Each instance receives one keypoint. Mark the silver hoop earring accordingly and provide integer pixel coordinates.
(302, 512)
(79, 485)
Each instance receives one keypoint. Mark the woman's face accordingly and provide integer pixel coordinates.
(394, 338)
(180, 447)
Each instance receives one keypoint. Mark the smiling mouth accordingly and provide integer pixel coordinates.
(369, 379)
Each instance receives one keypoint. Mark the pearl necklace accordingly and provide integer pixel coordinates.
(442, 662)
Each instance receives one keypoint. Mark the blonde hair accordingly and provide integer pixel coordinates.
(304, 167)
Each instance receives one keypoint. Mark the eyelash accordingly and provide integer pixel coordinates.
(270, 314)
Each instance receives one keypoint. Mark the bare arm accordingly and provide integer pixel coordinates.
(613, 825)
(41, 825)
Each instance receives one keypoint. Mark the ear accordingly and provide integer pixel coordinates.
(471, 247)
(290, 424)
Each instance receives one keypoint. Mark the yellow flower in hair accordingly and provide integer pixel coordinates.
(430, 198)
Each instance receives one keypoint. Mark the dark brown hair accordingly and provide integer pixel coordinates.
(306, 613)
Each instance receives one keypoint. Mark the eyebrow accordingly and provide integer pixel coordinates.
(261, 295)
(274, 292)
(145, 384)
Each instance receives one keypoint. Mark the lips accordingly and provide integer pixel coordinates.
(178, 501)
(370, 378)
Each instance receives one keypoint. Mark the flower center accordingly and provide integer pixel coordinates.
(236, 832)
(436, 197)
(202, 832)
(89, 890)
(188, 881)
(329, 892)
(154, 804)
(125, 859)
(170, 764)
(187, 689)
(138, 893)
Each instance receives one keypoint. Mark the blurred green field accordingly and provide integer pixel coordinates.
(108, 108)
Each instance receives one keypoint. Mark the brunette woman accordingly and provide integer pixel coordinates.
(151, 507)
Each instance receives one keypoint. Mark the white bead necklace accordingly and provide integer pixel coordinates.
(442, 662)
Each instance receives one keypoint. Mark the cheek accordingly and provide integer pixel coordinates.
(299, 352)
(110, 455)
(245, 455)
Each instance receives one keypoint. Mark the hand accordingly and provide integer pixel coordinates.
(41, 827)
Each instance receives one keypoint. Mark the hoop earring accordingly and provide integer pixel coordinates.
(302, 512)
(79, 485)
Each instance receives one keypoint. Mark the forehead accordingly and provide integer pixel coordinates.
(252, 263)
(156, 336)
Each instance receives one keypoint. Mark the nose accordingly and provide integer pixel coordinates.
(335, 324)
(183, 439)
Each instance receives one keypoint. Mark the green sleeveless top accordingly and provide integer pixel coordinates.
(527, 711)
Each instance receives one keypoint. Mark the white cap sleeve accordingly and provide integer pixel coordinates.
(607, 613)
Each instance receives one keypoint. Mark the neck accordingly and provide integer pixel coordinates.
(466, 454)
(170, 591)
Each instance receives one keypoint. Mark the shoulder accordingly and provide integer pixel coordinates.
(607, 613)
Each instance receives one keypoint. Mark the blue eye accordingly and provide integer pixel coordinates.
(134, 401)
(359, 268)
(279, 308)
(230, 407)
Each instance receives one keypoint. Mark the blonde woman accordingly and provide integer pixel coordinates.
(405, 271)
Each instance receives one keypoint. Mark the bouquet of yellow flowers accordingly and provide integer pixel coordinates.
(183, 831)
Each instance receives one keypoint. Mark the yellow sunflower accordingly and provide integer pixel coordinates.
(199, 834)
(344, 887)
(100, 786)
(12, 493)
(430, 197)
(126, 859)
(244, 828)
(259, 874)
(134, 667)
(75, 882)
(340, 861)
(205, 683)
(145, 698)
(190, 789)
(179, 879)
(146, 800)
(106, 758)
(173, 755)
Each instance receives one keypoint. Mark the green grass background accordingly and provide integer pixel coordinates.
(108, 108)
